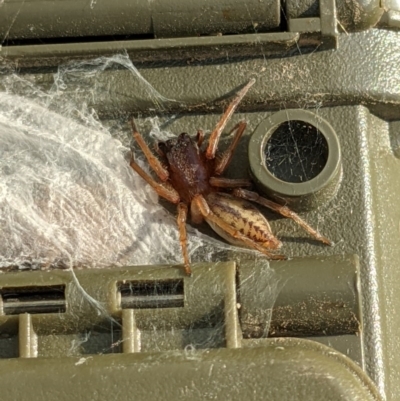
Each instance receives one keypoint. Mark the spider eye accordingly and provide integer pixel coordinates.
(184, 136)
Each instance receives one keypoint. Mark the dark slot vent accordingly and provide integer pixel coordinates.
(49, 299)
(80, 39)
(151, 294)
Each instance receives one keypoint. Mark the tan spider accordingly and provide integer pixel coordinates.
(190, 178)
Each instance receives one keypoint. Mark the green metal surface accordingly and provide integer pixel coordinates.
(76, 18)
(331, 78)
(356, 90)
(274, 370)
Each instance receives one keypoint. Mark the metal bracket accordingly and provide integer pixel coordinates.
(326, 24)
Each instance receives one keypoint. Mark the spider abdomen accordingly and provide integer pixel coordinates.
(242, 216)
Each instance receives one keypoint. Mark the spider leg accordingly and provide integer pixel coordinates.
(162, 190)
(158, 150)
(226, 157)
(181, 220)
(222, 182)
(282, 210)
(215, 135)
(195, 215)
(205, 210)
(199, 137)
(155, 164)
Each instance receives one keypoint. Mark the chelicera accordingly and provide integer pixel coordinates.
(190, 176)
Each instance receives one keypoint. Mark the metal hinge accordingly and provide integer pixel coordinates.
(157, 309)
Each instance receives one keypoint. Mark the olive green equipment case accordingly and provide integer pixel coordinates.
(330, 330)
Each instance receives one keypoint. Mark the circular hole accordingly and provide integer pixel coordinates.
(296, 152)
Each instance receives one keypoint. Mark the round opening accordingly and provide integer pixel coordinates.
(295, 158)
(296, 152)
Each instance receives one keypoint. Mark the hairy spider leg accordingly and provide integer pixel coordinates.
(205, 210)
(222, 182)
(162, 190)
(181, 220)
(216, 134)
(155, 164)
(282, 210)
(226, 157)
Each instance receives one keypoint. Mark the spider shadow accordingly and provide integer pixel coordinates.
(301, 240)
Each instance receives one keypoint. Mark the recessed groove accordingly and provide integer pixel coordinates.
(34, 300)
(152, 294)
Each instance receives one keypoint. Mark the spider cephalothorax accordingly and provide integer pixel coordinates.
(190, 178)
(189, 170)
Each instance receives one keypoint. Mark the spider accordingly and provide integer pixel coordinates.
(190, 178)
